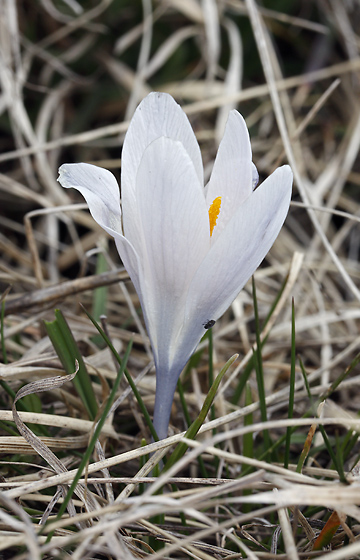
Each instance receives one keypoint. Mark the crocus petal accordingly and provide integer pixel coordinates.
(100, 190)
(166, 378)
(255, 176)
(232, 174)
(166, 382)
(240, 248)
(175, 233)
(157, 115)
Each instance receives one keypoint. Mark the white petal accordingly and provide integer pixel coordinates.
(157, 115)
(165, 388)
(100, 190)
(232, 174)
(131, 262)
(175, 226)
(240, 248)
(255, 176)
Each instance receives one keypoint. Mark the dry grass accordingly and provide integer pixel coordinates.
(71, 75)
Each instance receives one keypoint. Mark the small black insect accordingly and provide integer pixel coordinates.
(209, 324)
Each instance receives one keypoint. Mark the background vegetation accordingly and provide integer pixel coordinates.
(274, 471)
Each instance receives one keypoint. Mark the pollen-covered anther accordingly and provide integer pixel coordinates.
(214, 212)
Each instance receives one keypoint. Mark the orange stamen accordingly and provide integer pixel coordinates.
(214, 212)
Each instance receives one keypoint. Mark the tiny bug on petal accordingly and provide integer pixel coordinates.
(209, 324)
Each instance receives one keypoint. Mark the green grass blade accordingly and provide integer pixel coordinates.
(289, 430)
(260, 371)
(248, 441)
(211, 371)
(127, 375)
(95, 436)
(337, 461)
(350, 438)
(184, 406)
(243, 379)
(275, 302)
(196, 425)
(2, 334)
(248, 445)
(180, 390)
(9, 428)
(66, 348)
(99, 295)
(250, 365)
(22, 404)
(141, 405)
(335, 384)
(305, 379)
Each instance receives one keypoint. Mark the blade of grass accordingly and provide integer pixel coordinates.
(341, 378)
(181, 448)
(250, 365)
(327, 532)
(337, 462)
(184, 406)
(211, 371)
(306, 448)
(289, 430)
(259, 371)
(183, 402)
(143, 459)
(340, 458)
(244, 377)
(66, 348)
(307, 444)
(127, 375)
(94, 438)
(212, 413)
(350, 441)
(248, 446)
(3, 347)
(248, 442)
(22, 405)
(99, 295)
(350, 438)
(9, 428)
(275, 302)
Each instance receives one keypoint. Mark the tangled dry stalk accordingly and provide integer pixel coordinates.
(71, 76)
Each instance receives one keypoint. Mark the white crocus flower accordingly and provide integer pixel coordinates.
(188, 250)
